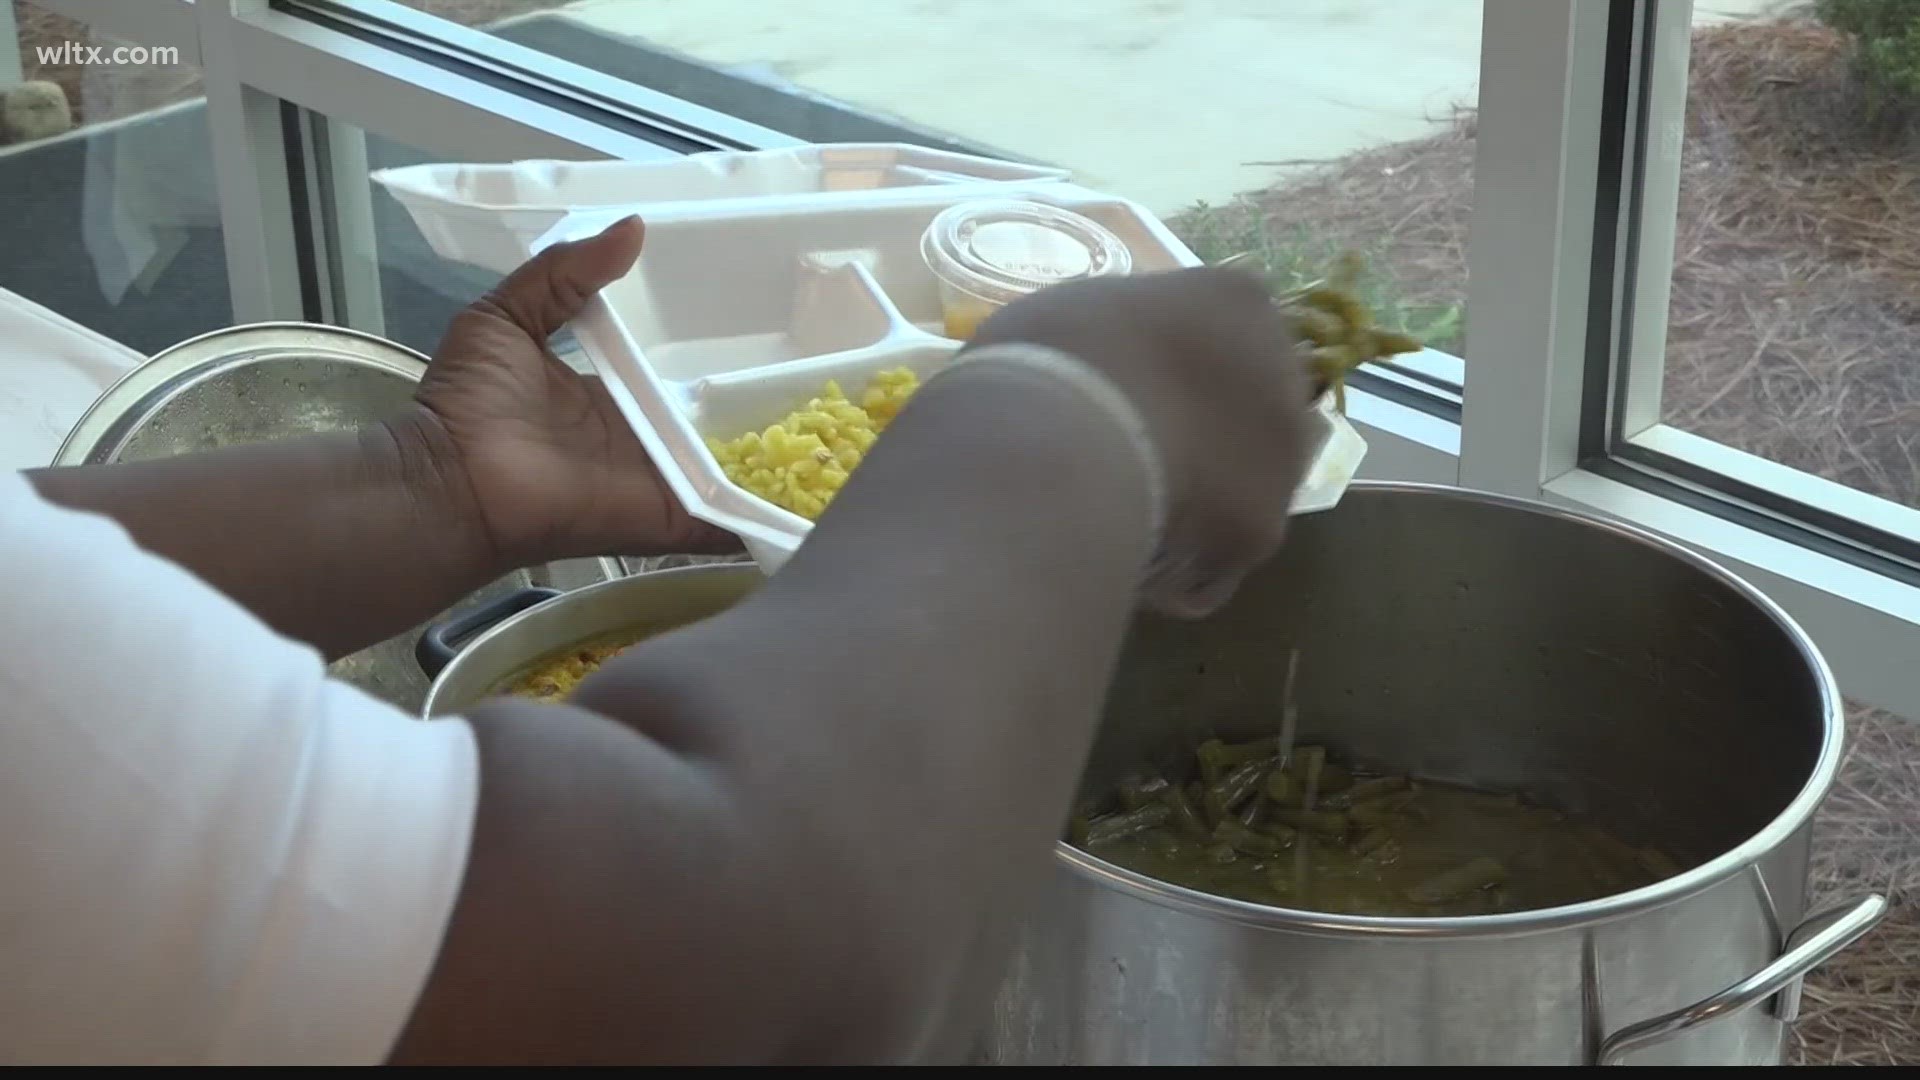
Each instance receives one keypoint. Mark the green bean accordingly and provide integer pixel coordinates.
(1245, 840)
(1223, 755)
(1282, 788)
(1138, 791)
(1343, 305)
(1183, 817)
(1126, 823)
(1393, 343)
(1331, 363)
(1319, 327)
(1374, 787)
(1386, 854)
(1228, 792)
(1319, 822)
(1479, 902)
(1656, 862)
(1372, 840)
(1375, 814)
(1481, 873)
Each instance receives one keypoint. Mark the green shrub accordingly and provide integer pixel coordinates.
(1289, 259)
(1886, 36)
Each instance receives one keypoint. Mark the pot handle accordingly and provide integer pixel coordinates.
(443, 638)
(1815, 941)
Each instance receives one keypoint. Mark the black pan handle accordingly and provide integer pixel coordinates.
(443, 638)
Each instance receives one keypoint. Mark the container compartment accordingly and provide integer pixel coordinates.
(701, 266)
(728, 406)
(693, 321)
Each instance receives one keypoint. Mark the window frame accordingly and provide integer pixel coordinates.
(1581, 429)
(1544, 290)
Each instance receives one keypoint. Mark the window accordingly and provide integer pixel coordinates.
(364, 262)
(1173, 105)
(1526, 145)
(112, 213)
(1772, 322)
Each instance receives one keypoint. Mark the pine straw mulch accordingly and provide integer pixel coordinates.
(1863, 1007)
(1794, 333)
(1796, 284)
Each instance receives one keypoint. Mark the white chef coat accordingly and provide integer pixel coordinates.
(209, 852)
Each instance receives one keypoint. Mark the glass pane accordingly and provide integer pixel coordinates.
(1794, 319)
(1289, 131)
(382, 275)
(111, 213)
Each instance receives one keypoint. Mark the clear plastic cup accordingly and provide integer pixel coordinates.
(988, 253)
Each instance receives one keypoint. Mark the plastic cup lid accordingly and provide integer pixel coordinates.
(1004, 249)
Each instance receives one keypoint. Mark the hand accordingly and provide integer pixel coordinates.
(1211, 364)
(554, 470)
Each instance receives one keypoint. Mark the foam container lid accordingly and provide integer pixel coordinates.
(489, 215)
(764, 277)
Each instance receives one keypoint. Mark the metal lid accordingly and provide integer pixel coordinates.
(268, 381)
(1003, 249)
(249, 384)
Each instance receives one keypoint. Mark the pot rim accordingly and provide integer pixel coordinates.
(1734, 860)
(506, 625)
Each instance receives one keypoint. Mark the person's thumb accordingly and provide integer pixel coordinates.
(551, 288)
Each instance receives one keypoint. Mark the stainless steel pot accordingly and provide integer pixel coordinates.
(472, 652)
(1461, 636)
(266, 381)
(1499, 643)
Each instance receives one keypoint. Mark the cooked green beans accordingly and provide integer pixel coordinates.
(1228, 792)
(1318, 822)
(1248, 842)
(1186, 820)
(1126, 823)
(1332, 319)
(1373, 788)
(1138, 791)
(1299, 829)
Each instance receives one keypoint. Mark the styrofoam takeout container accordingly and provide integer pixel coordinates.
(730, 322)
(764, 276)
(489, 215)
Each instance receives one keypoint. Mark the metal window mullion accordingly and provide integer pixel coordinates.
(1529, 265)
(245, 129)
(344, 232)
(499, 53)
(410, 100)
(1657, 214)
(11, 69)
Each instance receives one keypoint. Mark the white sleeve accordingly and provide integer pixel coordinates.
(209, 852)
